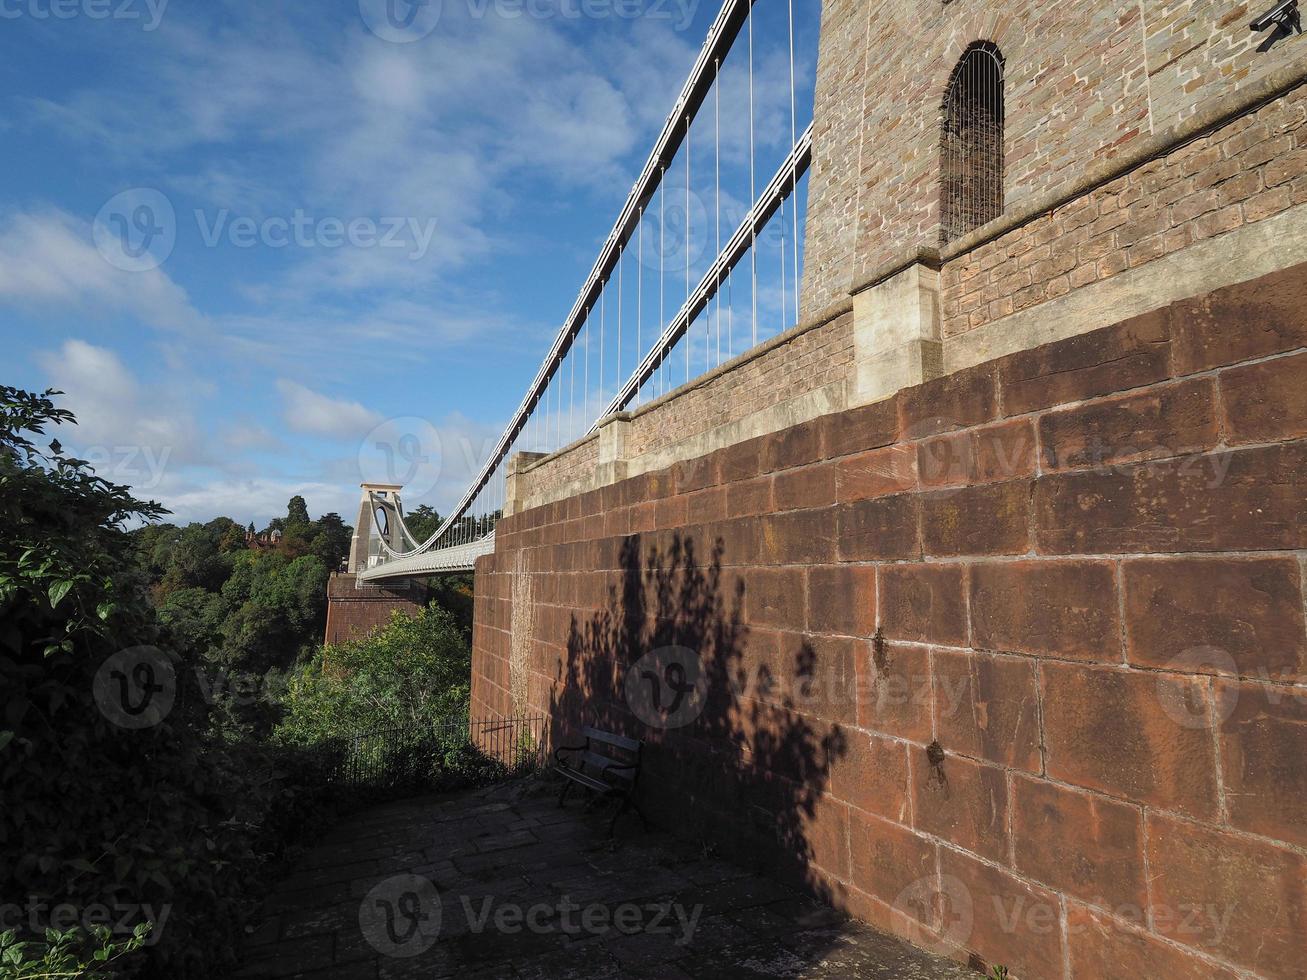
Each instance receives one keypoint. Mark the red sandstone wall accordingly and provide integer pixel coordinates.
(354, 612)
(1011, 664)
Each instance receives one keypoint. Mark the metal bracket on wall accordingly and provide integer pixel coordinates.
(1285, 17)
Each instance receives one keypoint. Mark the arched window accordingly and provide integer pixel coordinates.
(972, 143)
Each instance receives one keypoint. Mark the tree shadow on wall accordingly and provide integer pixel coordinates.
(727, 757)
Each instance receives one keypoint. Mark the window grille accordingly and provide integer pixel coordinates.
(972, 143)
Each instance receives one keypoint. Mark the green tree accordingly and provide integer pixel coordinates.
(233, 539)
(98, 811)
(277, 610)
(194, 560)
(422, 522)
(297, 512)
(195, 619)
(331, 540)
(414, 670)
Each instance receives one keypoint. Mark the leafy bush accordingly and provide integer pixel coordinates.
(388, 713)
(412, 673)
(69, 953)
(162, 823)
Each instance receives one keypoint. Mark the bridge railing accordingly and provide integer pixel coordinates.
(702, 263)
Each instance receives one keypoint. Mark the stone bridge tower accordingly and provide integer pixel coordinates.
(354, 609)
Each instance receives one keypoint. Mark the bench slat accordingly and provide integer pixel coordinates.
(584, 780)
(610, 738)
(603, 762)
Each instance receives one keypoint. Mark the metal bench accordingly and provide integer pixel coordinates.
(607, 764)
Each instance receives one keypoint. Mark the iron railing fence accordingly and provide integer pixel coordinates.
(448, 754)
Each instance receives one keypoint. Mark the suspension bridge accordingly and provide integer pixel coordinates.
(702, 263)
(970, 447)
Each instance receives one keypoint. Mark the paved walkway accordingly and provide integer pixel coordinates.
(525, 889)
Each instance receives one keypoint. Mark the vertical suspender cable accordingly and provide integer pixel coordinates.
(662, 225)
(639, 291)
(753, 193)
(785, 306)
(794, 190)
(602, 397)
(620, 304)
(717, 193)
(687, 243)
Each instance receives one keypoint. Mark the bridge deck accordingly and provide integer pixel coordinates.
(460, 558)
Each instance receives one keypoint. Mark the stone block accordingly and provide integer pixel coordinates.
(1250, 499)
(962, 801)
(1235, 897)
(1057, 609)
(987, 519)
(987, 707)
(1084, 845)
(1161, 422)
(1141, 736)
(842, 599)
(923, 603)
(1212, 615)
(1265, 402)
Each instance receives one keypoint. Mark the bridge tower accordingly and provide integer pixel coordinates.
(379, 510)
(354, 608)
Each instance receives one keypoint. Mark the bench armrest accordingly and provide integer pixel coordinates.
(568, 748)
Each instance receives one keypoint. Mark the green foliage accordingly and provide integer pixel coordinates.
(414, 671)
(422, 522)
(67, 953)
(275, 610)
(94, 813)
(236, 611)
(330, 540)
(999, 973)
(60, 540)
(297, 512)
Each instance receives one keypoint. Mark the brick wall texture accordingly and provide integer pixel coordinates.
(793, 365)
(1085, 84)
(1252, 169)
(354, 612)
(1011, 664)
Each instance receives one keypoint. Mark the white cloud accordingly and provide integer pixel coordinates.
(48, 258)
(130, 434)
(256, 500)
(243, 437)
(307, 411)
(446, 130)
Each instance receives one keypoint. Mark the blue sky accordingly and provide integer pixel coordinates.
(342, 228)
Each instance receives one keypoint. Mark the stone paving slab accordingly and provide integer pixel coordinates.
(528, 890)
